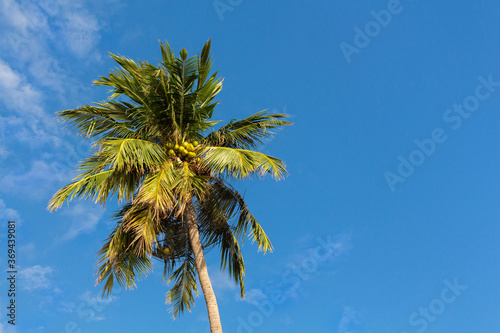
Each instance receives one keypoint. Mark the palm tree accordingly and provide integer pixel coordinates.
(158, 150)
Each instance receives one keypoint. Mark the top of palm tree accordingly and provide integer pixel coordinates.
(157, 150)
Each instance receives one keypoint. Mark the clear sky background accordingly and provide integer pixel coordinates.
(411, 228)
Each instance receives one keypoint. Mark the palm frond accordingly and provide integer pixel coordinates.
(105, 119)
(224, 203)
(157, 190)
(116, 168)
(187, 184)
(181, 295)
(231, 256)
(132, 154)
(249, 132)
(119, 261)
(242, 163)
(144, 225)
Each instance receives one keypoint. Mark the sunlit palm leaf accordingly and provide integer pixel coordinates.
(242, 163)
(120, 262)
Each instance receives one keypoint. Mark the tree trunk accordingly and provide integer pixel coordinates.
(201, 267)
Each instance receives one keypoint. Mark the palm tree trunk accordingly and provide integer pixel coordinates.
(201, 267)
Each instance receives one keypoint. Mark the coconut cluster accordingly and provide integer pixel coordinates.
(184, 151)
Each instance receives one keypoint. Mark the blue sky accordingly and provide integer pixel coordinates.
(388, 221)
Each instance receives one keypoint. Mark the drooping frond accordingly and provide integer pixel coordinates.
(249, 132)
(181, 296)
(231, 257)
(222, 204)
(116, 168)
(120, 261)
(144, 225)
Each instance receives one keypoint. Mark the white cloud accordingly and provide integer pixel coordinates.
(80, 30)
(8, 213)
(15, 16)
(32, 35)
(34, 183)
(97, 304)
(84, 216)
(47, 72)
(221, 281)
(39, 42)
(27, 250)
(68, 307)
(35, 277)
(254, 296)
(17, 94)
(4, 152)
(348, 321)
(33, 124)
(35, 29)
(7, 328)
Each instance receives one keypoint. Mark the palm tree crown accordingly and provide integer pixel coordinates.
(157, 150)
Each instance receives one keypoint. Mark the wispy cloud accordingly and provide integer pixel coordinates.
(349, 321)
(68, 307)
(8, 213)
(35, 31)
(254, 296)
(46, 72)
(220, 280)
(39, 42)
(35, 277)
(80, 30)
(4, 152)
(35, 182)
(26, 113)
(7, 328)
(28, 250)
(96, 303)
(17, 94)
(84, 219)
(21, 17)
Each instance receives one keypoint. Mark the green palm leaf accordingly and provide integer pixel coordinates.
(249, 132)
(242, 163)
(181, 295)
